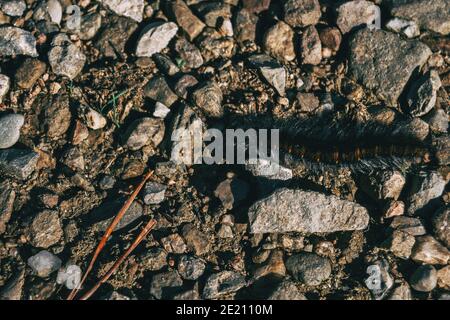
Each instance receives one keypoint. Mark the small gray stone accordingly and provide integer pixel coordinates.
(44, 263)
(300, 13)
(165, 285)
(73, 158)
(383, 62)
(65, 58)
(158, 90)
(311, 46)
(209, 99)
(155, 37)
(13, 8)
(428, 250)
(90, 24)
(103, 213)
(70, 276)
(380, 281)
(424, 279)
(412, 226)
(270, 170)
(309, 268)
(271, 70)
(408, 28)
(441, 145)
(15, 41)
(133, 9)
(422, 95)
(174, 243)
(107, 182)
(10, 129)
(154, 193)
(92, 118)
(305, 211)
(189, 55)
(4, 86)
(45, 230)
(425, 187)
(191, 268)
(195, 239)
(223, 284)
(428, 14)
(48, 10)
(161, 111)
(165, 64)
(184, 84)
(437, 120)
(441, 225)
(356, 13)
(18, 163)
(287, 290)
(245, 26)
(143, 132)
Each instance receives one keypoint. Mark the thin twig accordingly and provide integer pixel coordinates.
(108, 233)
(119, 261)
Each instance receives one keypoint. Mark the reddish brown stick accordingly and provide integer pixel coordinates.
(119, 261)
(108, 233)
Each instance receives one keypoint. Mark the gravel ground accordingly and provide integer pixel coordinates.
(92, 91)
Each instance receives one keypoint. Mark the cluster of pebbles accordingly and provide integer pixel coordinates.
(91, 92)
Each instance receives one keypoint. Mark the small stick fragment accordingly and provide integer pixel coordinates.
(108, 233)
(119, 261)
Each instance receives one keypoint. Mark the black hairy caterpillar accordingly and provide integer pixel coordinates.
(331, 141)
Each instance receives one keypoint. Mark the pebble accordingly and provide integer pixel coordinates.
(18, 163)
(305, 211)
(154, 259)
(114, 35)
(65, 58)
(437, 120)
(44, 263)
(441, 225)
(301, 13)
(286, 290)
(412, 226)
(424, 279)
(407, 28)
(428, 250)
(161, 111)
(174, 243)
(384, 62)
(15, 41)
(154, 193)
(10, 129)
(223, 284)
(191, 268)
(133, 9)
(231, 192)
(56, 114)
(189, 54)
(443, 278)
(165, 64)
(155, 37)
(4, 86)
(13, 8)
(50, 10)
(356, 13)
(12, 290)
(441, 147)
(184, 85)
(70, 276)
(401, 292)
(158, 90)
(225, 232)
(106, 182)
(245, 26)
(165, 284)
(208, 97)
(29, 72)
(269, 170)
(400, 244)
(184, 17)
(195, 239)
(380, 281)
(271, 70)
(105, 214)
(383, 185)
(92, 118)
(90, 25)
(428, 14)
(422, 95)
(393, 208)
(309, 268)
(45, 230)
(7, 197)
(279, 42)
(331, 38)
(143, 132)
(425, 187)
(311, 46)
(212, 12)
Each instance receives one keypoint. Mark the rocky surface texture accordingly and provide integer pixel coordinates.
(87, 109)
